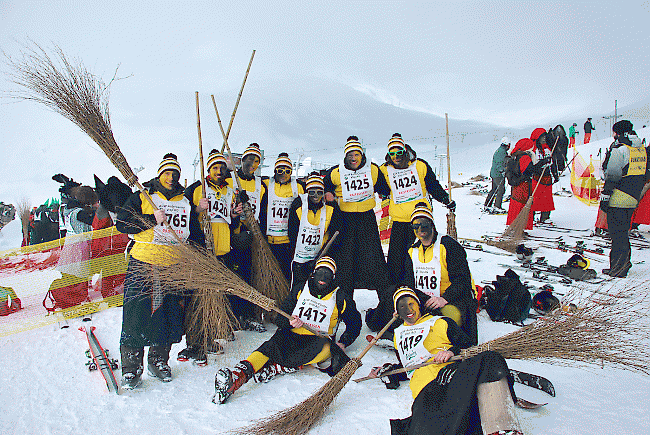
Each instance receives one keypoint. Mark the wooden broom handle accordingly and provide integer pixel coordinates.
(544, 170)
(377, 337)
(407, 369)
(232, 117)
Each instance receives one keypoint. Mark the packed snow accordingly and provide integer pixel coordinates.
(47, 389)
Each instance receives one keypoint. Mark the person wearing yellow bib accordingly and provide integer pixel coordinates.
(626, 171)
(436, 268)
(280, 191)
(471, 397)
(220, 209)
(352, 183)
(312, 221)
(320, 305)
(410, 180)
(153, 315)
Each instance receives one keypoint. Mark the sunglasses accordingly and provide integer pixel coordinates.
(425, 226)
(313, 192)
(397, 153)
(282, 171)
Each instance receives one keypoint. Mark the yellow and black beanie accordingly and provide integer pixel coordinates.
(253, 149)
(353, 145)
(396, 141)
(314, 181)
(170, 161)
(216, 157)
(326, 262)
(283, 161)
(422, 210)
(403, 291)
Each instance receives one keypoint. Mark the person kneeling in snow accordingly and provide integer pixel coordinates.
(470, 397)
(319, 305)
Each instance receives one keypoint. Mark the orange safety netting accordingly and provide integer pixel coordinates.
(585, 182)
(59, 280)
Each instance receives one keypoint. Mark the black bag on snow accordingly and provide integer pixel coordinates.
(508, 300)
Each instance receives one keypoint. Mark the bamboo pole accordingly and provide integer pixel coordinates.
(232, 117)
(451, 216)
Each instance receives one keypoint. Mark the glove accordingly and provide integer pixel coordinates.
(243, 196)
(392, 381)
(451, 206)
(604, 201)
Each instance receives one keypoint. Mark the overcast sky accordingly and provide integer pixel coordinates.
(506, 62)
(509, 63)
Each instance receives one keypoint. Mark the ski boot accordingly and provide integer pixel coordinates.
(131, 367)
(228, 381)
(158, 366)
(249, 324)
(271, 370)
(195, 354)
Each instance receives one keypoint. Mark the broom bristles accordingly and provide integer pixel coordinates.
(515, 230)
(72, 91)
(298, 419)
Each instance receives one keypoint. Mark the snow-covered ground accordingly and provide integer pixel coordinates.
(46, 388)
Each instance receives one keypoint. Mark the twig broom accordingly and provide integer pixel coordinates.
(451, 216)
(300, 418)
(267, 273)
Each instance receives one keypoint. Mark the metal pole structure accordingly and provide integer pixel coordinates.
(451, 216)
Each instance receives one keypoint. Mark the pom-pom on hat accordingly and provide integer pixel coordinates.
(326, 262)
(314, 181)
(353, 145)
(622, 127)
(216, 157)
(396, 142)
(401, 292)
(505, 140)
(422, 210)
(253, 149)
(283, 161)
(170, 161)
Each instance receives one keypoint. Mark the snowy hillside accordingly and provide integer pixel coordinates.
(47, 389)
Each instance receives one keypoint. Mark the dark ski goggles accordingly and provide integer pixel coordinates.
(282, 171)
(424, 225)
(315, 193)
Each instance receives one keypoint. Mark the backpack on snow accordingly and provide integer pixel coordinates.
(508, 300)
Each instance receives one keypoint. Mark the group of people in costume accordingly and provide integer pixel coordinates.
(298, 217)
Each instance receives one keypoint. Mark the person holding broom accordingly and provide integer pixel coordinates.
(223, 213)
(409, 180)
(543, 180)
(252, 190)
(360, 258)
(153, 315)
(470, 397)
(320, 305)
(436, 268)
(519, 172)
(312, 222)
(280, 191)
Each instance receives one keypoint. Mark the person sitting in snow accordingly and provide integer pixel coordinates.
(320, 305)
(469, 397)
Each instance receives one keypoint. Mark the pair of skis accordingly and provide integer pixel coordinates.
(529, 379)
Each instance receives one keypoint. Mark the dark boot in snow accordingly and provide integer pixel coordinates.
(158, 363)
(228, 381)
(194, 354)
(131, 366)
(270, 371)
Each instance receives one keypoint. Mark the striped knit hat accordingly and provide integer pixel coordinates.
(396, 142)
(216, 157)
(169, 162)
(422, 210)
(326, 262)
(283, 161)
(253, 149)
(353, 145)
(314, 181)
(403, 291)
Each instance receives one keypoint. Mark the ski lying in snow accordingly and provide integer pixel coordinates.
(525, 404)
(477, 247)
(100, 360)
(533, 381)
(384, 343)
